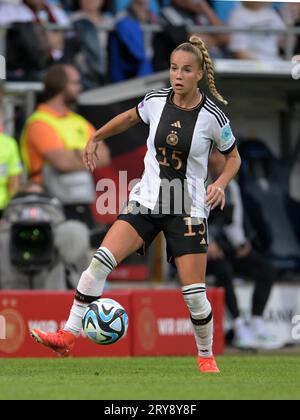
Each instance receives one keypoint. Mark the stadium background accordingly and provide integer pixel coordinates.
(264, 110)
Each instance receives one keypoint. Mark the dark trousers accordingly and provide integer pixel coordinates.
(255, 266)
(81, 213)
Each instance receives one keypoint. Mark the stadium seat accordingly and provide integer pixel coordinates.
(268, 206)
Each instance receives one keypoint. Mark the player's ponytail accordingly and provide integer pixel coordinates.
(197, 46)
(197, 42)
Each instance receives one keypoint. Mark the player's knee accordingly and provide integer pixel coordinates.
(103, 263)
(199, 306)
(202, 310)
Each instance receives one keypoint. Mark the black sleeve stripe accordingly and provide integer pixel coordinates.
(157, 95)
(215, 115)
(140, 117)
(217, 108)
(226, 152)
(213, 109)
(158, 92)
(213, 105)
(165, 89)
(150, 93)
(223, 119)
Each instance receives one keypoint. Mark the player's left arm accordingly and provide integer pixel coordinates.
(117, 125)
(216, 191)
(104, 155)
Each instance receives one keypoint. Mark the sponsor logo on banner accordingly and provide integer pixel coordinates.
(15, 331)
(148, 328)
(175, 327)
(49, 326)
(2, 328)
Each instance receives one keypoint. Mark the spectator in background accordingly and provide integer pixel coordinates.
(66, 5)
(294, 10)
(7, 13)
(43, 13)
(188, 13)
(11, 12)
(52, 144)
(31, 48)
(231, 253)
(255, 15)
(290, 13)
(120, 5)
(88, 50)
(10, 164)
(224, 8)
(131, 51)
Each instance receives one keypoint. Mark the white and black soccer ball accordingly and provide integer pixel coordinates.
(105, 322)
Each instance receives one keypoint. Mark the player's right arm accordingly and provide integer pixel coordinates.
(117, 125)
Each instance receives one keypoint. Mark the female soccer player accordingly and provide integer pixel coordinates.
(171, 197)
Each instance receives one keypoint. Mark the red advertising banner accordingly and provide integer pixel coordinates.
(159, 323)
(162, 323)
(24, 311)
(134, 272)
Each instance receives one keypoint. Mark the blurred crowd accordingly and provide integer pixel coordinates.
(43, 32)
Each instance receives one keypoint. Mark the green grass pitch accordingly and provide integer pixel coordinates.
(242, 377)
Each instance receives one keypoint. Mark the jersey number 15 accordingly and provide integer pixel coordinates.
(175, 157)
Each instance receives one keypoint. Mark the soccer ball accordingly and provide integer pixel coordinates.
(105, 322)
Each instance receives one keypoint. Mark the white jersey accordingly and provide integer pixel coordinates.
(179, 144)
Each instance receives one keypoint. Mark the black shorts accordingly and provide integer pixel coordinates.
(184, 234)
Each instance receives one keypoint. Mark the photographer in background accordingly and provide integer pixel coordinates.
(10, 164)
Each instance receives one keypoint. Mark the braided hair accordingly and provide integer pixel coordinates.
(197, 47)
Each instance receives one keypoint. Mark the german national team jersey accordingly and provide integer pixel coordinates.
(179, 144)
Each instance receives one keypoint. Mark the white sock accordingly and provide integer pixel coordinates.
(90, 287)
(74, 323)
(201, 316)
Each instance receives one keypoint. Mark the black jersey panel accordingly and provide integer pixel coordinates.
(173, 142)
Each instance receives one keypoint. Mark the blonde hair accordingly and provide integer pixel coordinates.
(197, 47)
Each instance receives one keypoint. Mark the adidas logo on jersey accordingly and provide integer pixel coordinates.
(177, 124)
